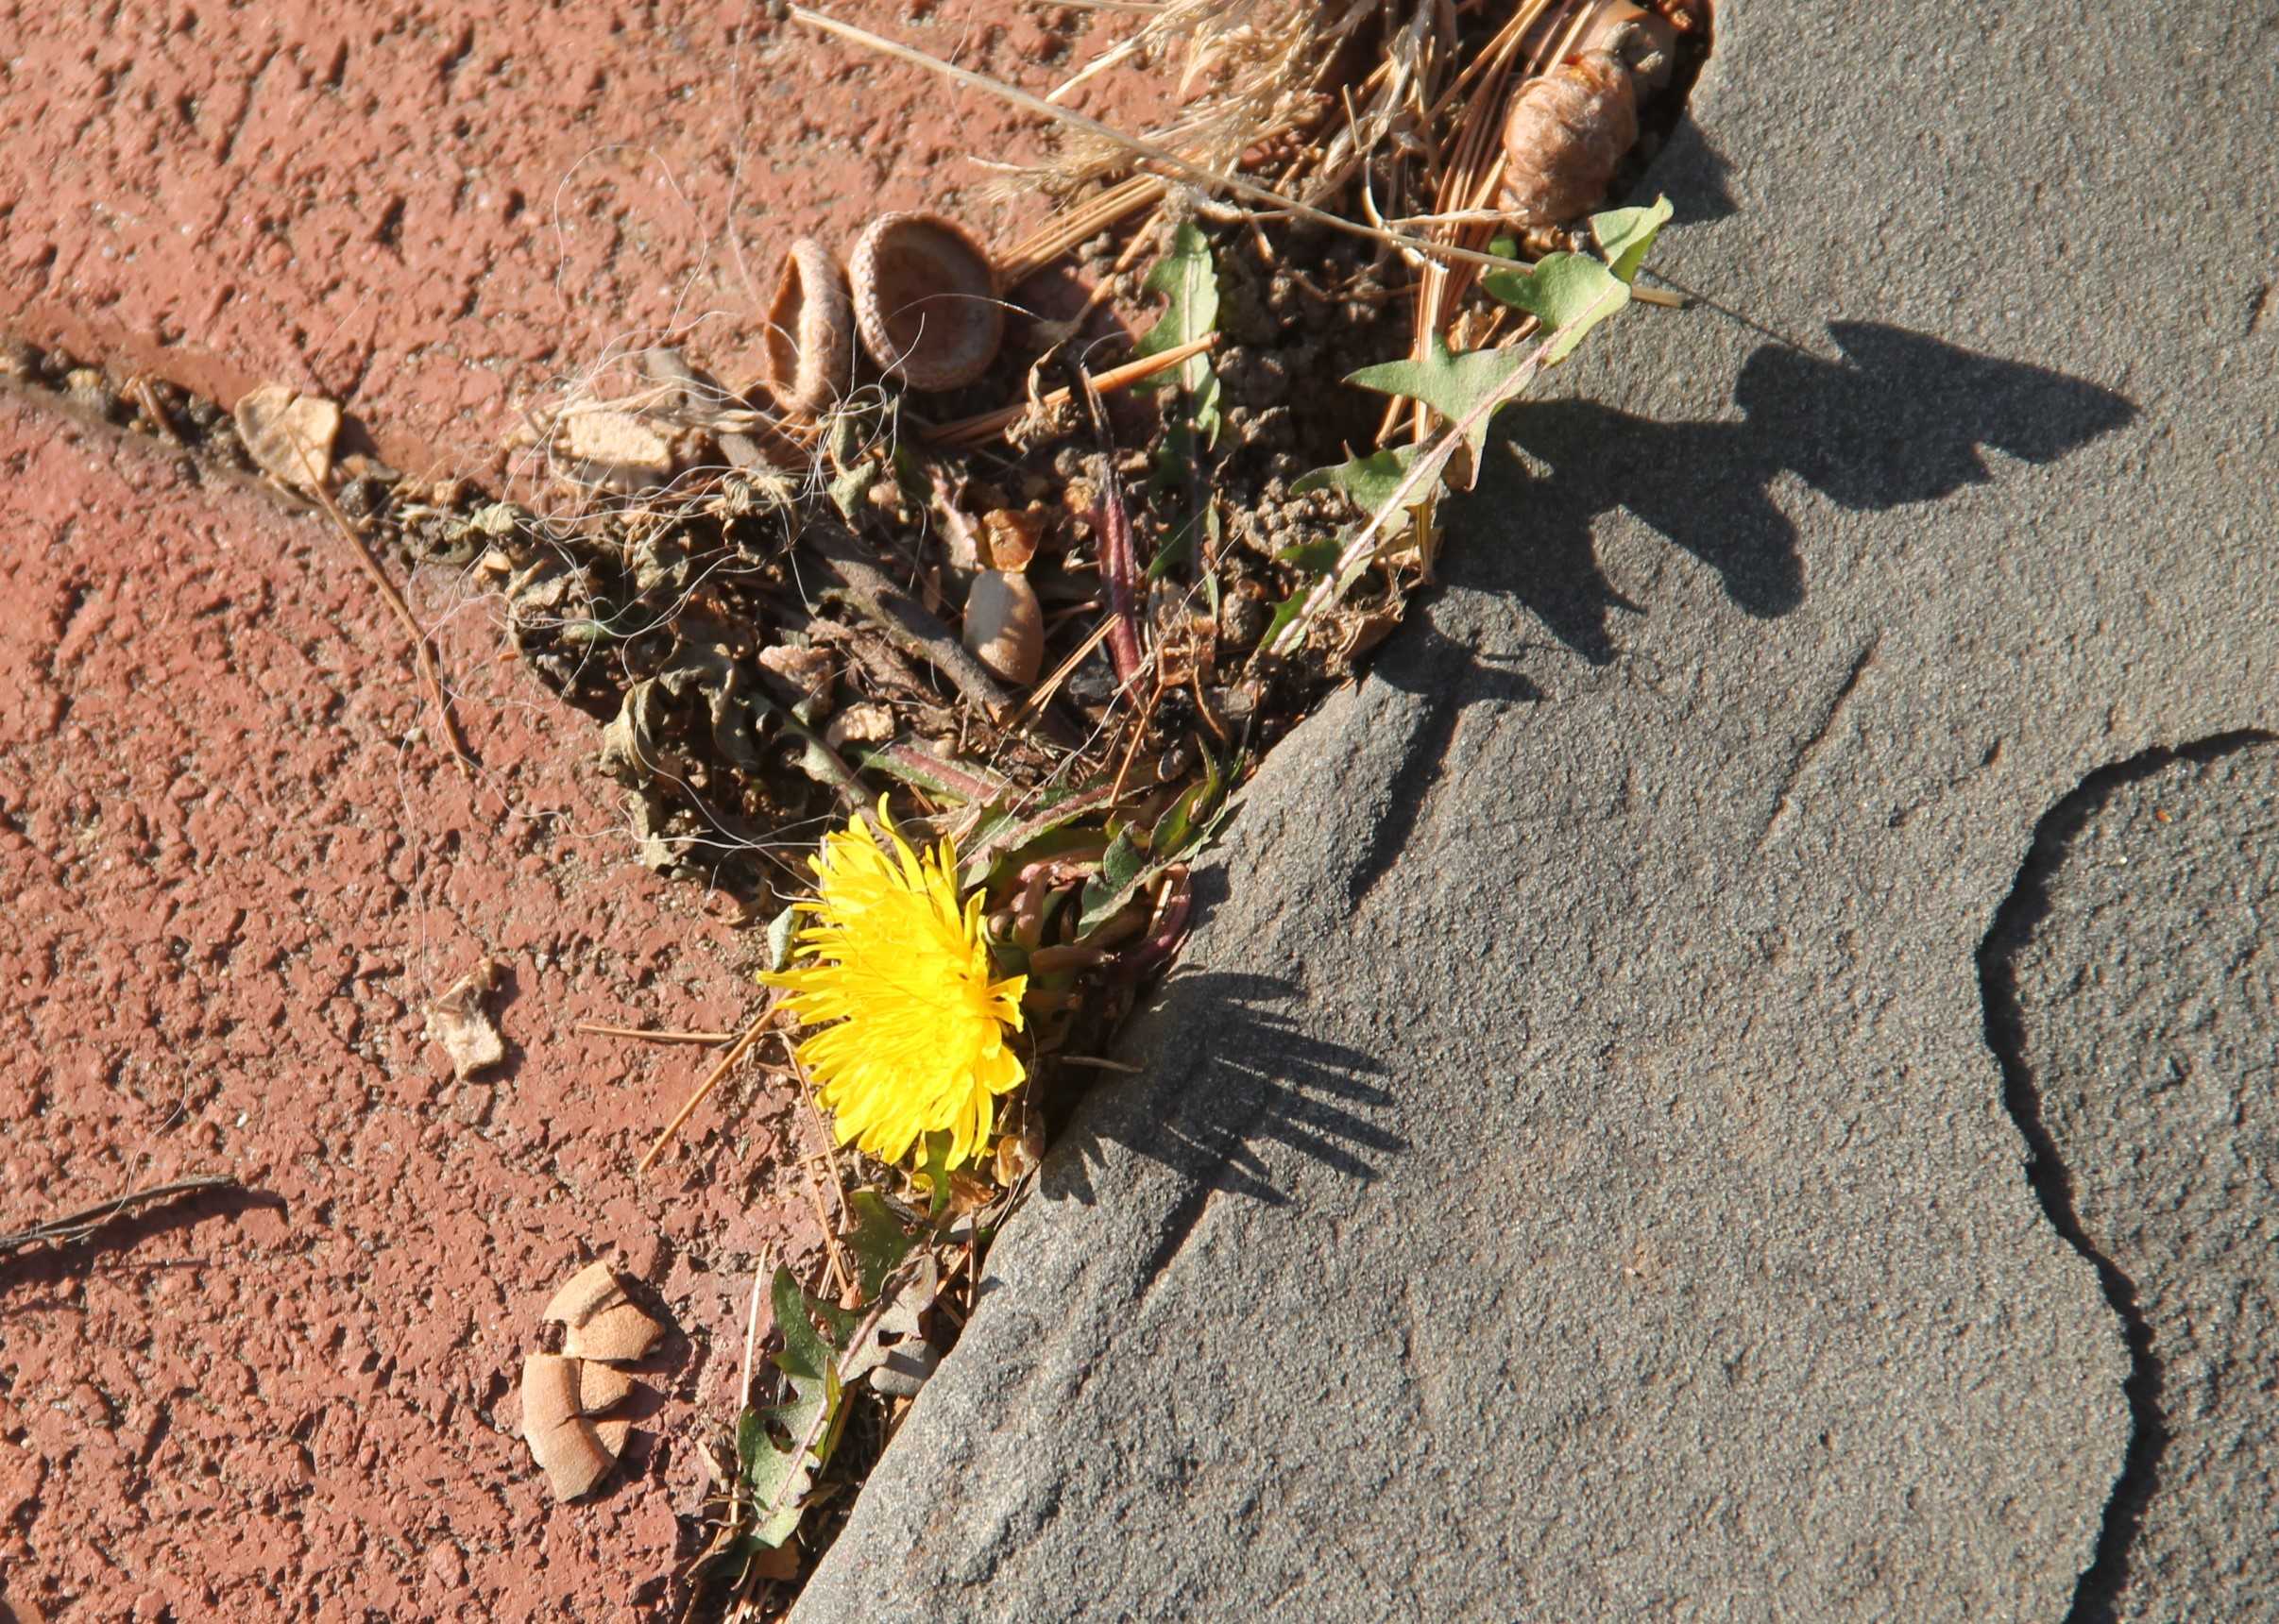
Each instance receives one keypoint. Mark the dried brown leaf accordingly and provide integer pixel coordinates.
(289, 434)
(460, 1023)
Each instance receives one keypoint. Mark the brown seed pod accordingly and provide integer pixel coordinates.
(926, 300)
(1646, 41)
(809, 340)
(1005, 625)
(1563, 136)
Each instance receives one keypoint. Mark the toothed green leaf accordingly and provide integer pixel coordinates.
(1189, 284)
(936, 1172)
(1316, 557)
(806, 1355)
(1107, 891)
(1457, 385)
(1571, 293)
(1367, 482)
(877, 1239)
(781, 1446)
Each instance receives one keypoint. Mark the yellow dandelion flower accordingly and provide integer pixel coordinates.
(916, 1043)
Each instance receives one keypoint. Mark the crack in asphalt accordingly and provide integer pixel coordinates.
(2097, 1594)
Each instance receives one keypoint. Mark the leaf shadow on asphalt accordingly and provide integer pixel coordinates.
(1899, 420)
(1230, 1069)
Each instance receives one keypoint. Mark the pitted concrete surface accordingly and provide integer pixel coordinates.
(234, 876)
(440, 215)
(1571, 1178)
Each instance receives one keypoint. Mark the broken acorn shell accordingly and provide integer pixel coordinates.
(809, 340)
(926, 300)
(600, 1321)
(560, 1397)
(592, 1289)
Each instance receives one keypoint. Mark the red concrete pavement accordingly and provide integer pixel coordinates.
(234, 873)
(234, 870)
(427, 212)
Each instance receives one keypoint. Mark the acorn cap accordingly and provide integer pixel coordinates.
(809, 339)
(926, 300)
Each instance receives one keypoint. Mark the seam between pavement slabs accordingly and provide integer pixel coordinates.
(2098, 1591)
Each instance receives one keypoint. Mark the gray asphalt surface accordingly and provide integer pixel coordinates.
(1572, 1179)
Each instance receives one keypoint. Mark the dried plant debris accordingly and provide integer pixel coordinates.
(1035, 596)
(1010, 655)
(461, 1020)
(896, 1358)
(837, 1369)
(289, 434)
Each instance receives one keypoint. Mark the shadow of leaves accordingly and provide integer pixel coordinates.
(1900, 419)
(1230, 1069)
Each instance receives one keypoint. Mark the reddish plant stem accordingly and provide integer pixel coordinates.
(1119, 559)
(1170, 925)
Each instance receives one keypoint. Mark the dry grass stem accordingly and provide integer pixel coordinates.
(822, 1222)
(742, 1047)
(423, 649)
(1041, 696)
(985, 426)
(822, 1129)
(651, 1034)
(1077, 223)
(1195, 174)
(85, 1222)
